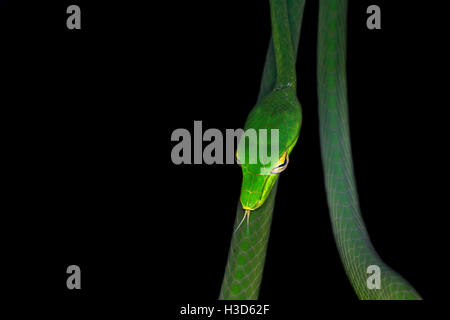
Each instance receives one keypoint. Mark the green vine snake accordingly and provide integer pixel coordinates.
(278, 108)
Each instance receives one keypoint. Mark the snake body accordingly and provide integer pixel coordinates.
(278, 107)
(243, 272)
(355, 248)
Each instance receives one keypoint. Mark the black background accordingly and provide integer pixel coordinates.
(87, 127)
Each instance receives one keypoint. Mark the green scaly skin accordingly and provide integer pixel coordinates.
(355, 249)
(246, 257)
(277, 108)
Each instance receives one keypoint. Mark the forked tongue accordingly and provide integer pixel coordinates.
(246, 215)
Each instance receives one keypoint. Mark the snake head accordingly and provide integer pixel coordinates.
(278, 113)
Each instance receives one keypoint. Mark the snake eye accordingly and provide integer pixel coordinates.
(281, 164)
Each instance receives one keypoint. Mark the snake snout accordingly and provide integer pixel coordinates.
(250, 201)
